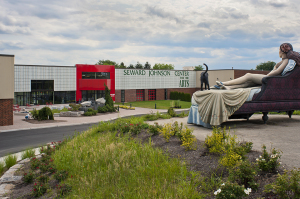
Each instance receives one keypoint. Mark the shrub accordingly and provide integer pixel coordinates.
(35, 114)
(268, 162)
(231, 191)
(90, 112)
(155, 129)
(45, 114)
(180, 96)
(108, 99)
(171, 112)
(188, 139)
(75, 107)
(230, 159)
(244, 174)
(102, 109)
(60, 175)
(63, 189)
(34, 163)
(167, 132)
(28, 177)
(39, 189)
(10, 161)
(286, 185)
(42, 178)
(216, 142)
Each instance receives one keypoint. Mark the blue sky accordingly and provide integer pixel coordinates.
(221, 33)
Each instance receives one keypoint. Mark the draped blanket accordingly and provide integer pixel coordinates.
(215, 106)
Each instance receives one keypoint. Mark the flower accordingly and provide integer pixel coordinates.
(223, 184)
(257, 159)
(247, 191)
(217, 192)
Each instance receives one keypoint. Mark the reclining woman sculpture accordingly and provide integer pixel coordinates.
(249, 80)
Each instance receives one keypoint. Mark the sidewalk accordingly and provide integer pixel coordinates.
(20, 124)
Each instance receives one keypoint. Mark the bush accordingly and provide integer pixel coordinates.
(61, 175)
(90, 112)
(188, 139)
(171, 112)
(231, 191)
(45, 114)
(155, 129)
(167, 131)
(102, 109)
(268, 162)
(180, 96)
(75, 107)
(244, 174)
(28, 177)
(35, 114)
(63, 189)
(108, 99)
(286, 186)
(34, 163)
(39, 189)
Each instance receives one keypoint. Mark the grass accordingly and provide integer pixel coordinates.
(104, 165)
(28, 153)
(1, 168)
(58, 111)
(160, 104)
(10, 161)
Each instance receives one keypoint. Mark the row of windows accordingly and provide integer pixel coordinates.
(42, 85)
(95, 75)
(92, 95)
(140, 94)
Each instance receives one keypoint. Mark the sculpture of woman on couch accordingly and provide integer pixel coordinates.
(249, 80)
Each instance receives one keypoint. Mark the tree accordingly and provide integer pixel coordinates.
(107, 62)
(163, 66)
(130, 66)
(138, 65)
(122, 65)
(269, 65)
(147, 66)
(199, 67)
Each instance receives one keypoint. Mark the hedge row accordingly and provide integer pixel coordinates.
(180, 96)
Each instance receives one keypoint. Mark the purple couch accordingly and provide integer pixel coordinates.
(278, 93)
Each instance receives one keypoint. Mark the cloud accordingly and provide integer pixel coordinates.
(155, 11)
(273, 3)
(11, 45)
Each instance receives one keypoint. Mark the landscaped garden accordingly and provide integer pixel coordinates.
(130, 159)
(160, 104)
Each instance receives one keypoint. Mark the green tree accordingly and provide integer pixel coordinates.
(108, 99)
(138, 65)
(147, 66)
(130, 66)
(122, 65)
(107, 62)
(269, 65)
(199, 67)
(163, 66)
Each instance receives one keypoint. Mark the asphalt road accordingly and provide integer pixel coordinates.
(16, 141)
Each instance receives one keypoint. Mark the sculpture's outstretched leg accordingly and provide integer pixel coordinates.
(265, 117)
(290, 113)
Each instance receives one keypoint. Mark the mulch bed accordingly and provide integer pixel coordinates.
(198, 160)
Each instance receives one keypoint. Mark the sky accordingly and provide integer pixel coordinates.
(221, 33)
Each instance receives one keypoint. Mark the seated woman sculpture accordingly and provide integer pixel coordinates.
(250, 80)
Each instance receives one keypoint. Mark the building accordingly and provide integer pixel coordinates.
(7, 89)
(41, 84)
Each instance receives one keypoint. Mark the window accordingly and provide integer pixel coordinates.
(42, 85)
(166, 94)
(122, 95)
(151, 94)
(95, 75)
(139, 95)
(92, 95)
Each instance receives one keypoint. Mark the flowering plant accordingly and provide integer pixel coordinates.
(28, 177)
(39, 189)
(268, 162)
(231, 191)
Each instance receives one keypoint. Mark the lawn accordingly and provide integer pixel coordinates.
(160, 104)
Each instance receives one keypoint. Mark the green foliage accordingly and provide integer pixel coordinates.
(42, 178)
(269, 162)
(61, 175)
(63, 189)
(39, 189)
(152, 116)
(147, 66)
(58, 111)
(122, 65)
(286, 185)
(167, 131)
(159, 66)
(10, 161)
(35, 114)
(231, 191)
(90, 112)
(217, 141)
(1, 168)
(102, 109)
(35, 163)
(187, 138)
(107, 62)
(130, 66)
(28, 177)
(180, 96)
(154, 129)
(210, 183)
(45, 113)
(108, 99)
(138, 65)
(28, 153)
(171, 112)
(269, 65)
(199, 67)
(75, 107)
(244, 174)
